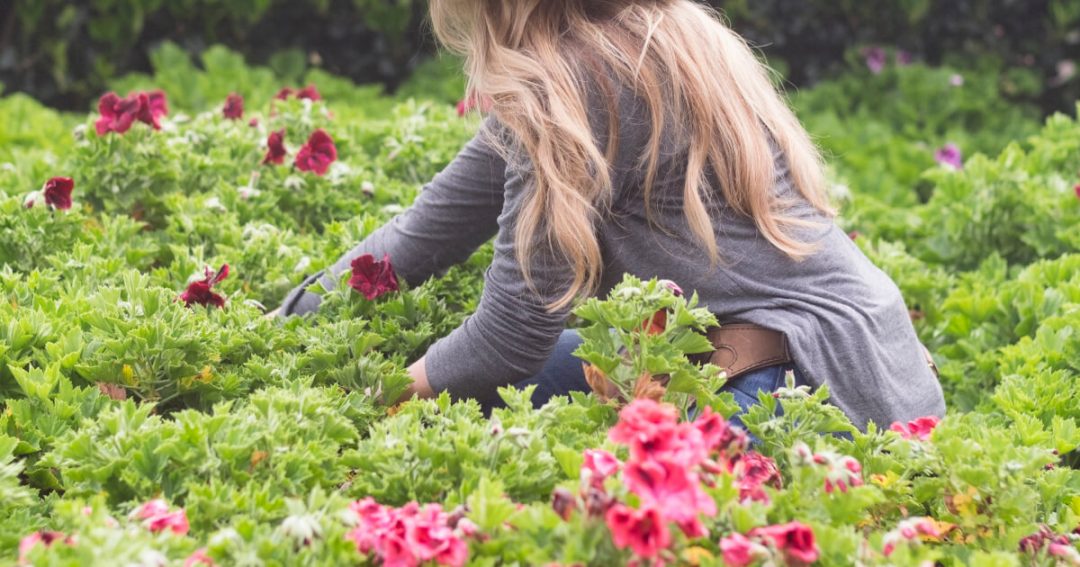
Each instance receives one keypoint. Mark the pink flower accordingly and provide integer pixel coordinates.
(156, 517)
(956, 80)
(407, 536)
(284, 93)
(920, 428)
(949, 155)
(644, 531)
(373, 278)
(753, 472)
(739, 551)
(201, 291)
(45, 538)
(317, 154)
(794, 539)
(117, 114)
(904, 58)
(1077, 190)
(309, 92)
(563, 502)
(275, 148)
(600, 464)
(909, 530)
(199, 557)
(152, 108)
(668, 486)
(875, 59)
(57, 192)
(234, 107)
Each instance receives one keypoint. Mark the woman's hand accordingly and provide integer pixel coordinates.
(420, 387)
(273, 313)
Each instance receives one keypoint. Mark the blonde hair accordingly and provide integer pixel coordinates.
(532, 62)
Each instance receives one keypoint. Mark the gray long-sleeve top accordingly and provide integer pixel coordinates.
(845, 320)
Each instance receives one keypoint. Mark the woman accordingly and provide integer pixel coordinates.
(643, 137)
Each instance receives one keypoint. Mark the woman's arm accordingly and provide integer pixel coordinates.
(453, 215)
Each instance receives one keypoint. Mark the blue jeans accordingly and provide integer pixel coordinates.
(562, 374)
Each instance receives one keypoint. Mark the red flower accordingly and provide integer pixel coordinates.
(373, 278)
(284, 93)
(644, 531)
(920, 428)
(57, 192)
(152, 108)
(201, 291)
(1077, 190)
(275, 148)
(317, 154)
(156, 517)
(753, 472)
(408, 536)
(795, 540)
(739, 551)
(652, 431)
(309, 92)
(670, 487)
(117, 114)
(234, 107)
(600, 464)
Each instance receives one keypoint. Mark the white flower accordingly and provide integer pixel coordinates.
(302, 529)
(294, 182)
(246, 192)
(214, 204)
(302, 265)
(367, 188)
(150, 558)
(30, 199)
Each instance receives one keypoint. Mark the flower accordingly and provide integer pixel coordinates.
(201, 291)
(875, 59)
(284, 93)
(920, 428)
(275, 148)
(317, 154)
(904, 58)
(652, 431)
(57, 193)
(199, 557)
(234, 107)
(949, 155)
(156, 517)
(909, 530)
(409, 535)
(309, 92)
(599, 464)
(373, 278)
(302, 529)
(117, 114)
(1076, 190)
(46, 538)
(739, 551)
(668, 486)
(753, 471)
(794, 539)
(152, 108)
(563, 502)
(956, 80)
(644, 531)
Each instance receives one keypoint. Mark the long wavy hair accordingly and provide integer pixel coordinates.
(532, 61)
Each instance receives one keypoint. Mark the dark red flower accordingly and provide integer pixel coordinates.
(317, 154)
(1077, 190)
(284, 93)
(117, 114)
(254, 123)
(234, 107)
(57, 192)
(152, 108)
(275, 148)
(309, 92)
(373, 278)
(201, 291)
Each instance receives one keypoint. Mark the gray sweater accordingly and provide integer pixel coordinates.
(844, 318)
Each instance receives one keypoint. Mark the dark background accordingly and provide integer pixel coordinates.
(65, 52)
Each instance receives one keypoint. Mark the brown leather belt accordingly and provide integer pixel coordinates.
(745, 347)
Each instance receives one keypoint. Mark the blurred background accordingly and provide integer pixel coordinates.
(66, 53)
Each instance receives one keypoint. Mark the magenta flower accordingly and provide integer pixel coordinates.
(152, 108)
(1077, 190)
(949, 155)
(739, 551)
(753, 472)
(904, 58)
(199, 557)
(876, 59)
(599, 464)
(117, 114)
(57, 192)
(644, 531)
(156, 517)
(373, 278)
(234, 107)
(309, 92)
(794, 540)
(920, 428)
(201, 291)
(275, 148)
(317, 154)
(284, 93)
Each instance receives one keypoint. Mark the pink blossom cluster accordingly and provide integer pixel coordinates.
(45, 538)
(410, 535)
(783, 544)
(841, 471)
(919, 428)
(118, 114)
(156, 516)
(669, 464)
(1059, 546)
(910, 530)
